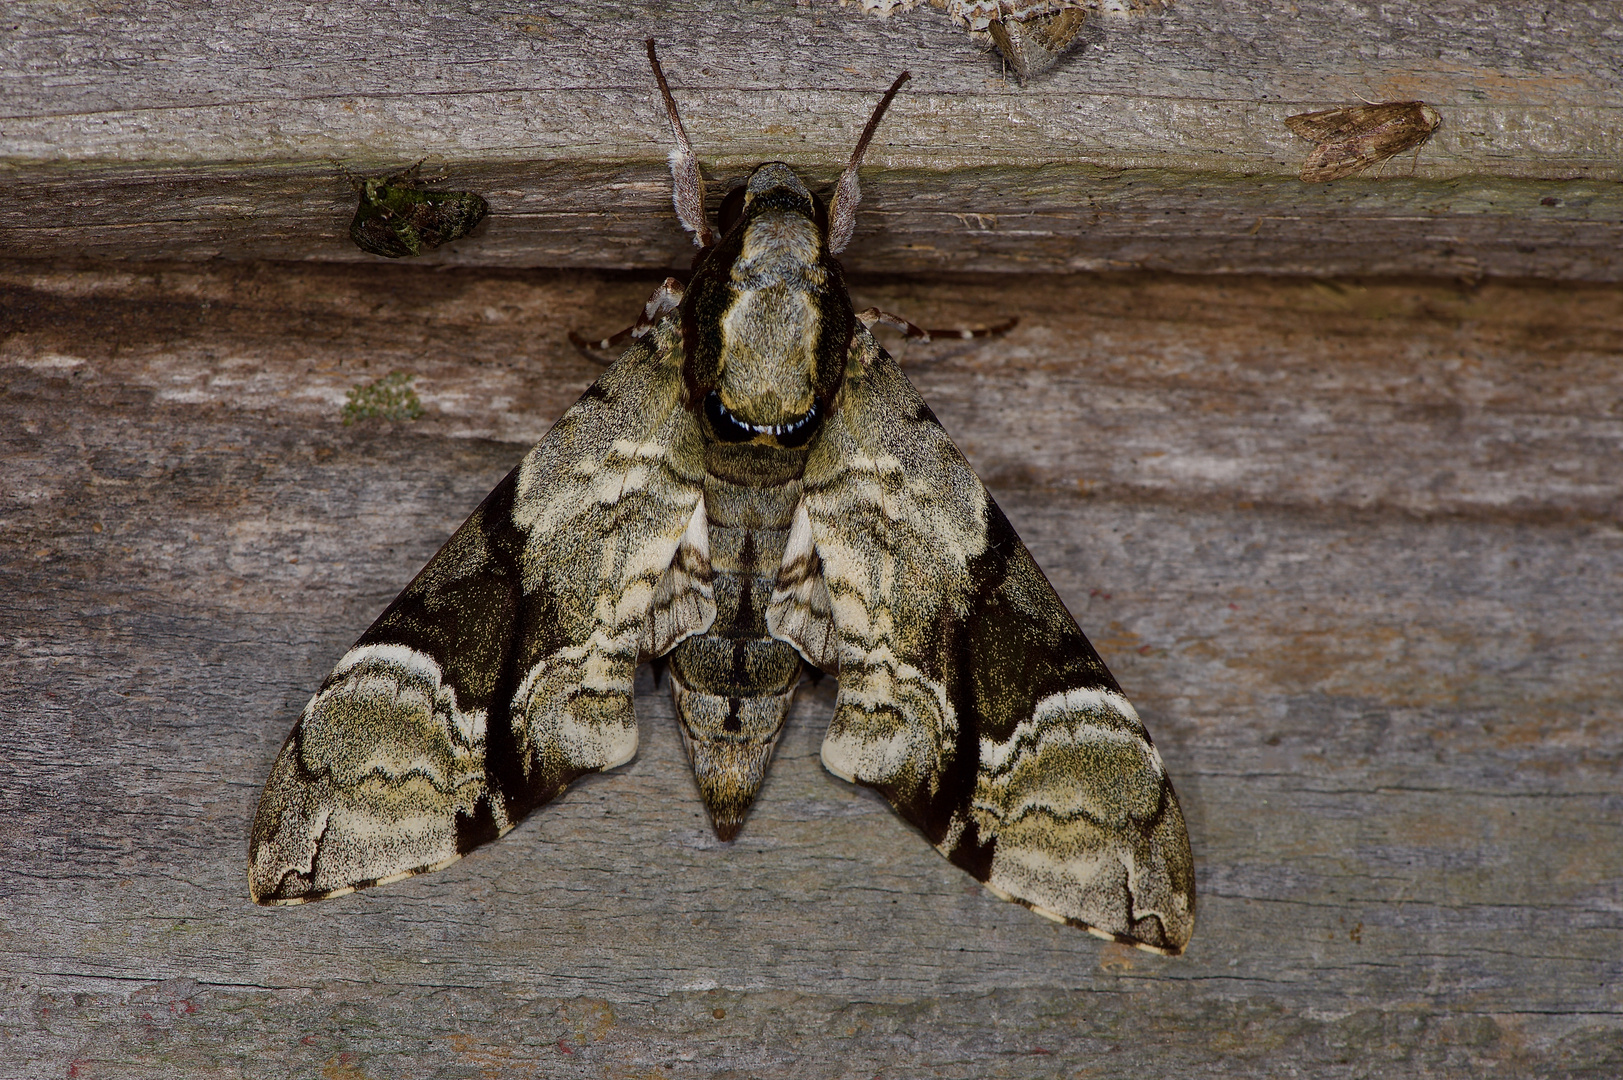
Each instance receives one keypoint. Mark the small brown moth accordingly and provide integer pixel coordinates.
(1032, 46)
(1353, 138)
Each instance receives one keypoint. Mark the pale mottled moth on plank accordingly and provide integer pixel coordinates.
(1353, 138)
(398, 217)
(1032, 35)
(1033, 46)
(752, 487)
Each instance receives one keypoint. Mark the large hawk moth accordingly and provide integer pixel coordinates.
(754, 486)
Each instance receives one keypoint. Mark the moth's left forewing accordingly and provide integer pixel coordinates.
(503, 671)
(615, 564)
(444, 216)
(1339, 160)
(968, 696)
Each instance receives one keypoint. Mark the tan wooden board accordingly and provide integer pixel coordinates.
(1352, 548)
(183, 131)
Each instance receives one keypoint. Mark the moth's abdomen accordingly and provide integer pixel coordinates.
(733, 684)
(729, 735)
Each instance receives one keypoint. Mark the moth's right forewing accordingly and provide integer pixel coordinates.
(968, 696)
(604, 503)
(503, 671)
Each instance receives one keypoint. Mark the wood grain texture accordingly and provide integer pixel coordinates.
(1353, 548)
(179, 131)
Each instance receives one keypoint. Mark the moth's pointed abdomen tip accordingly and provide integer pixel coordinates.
(727, 820)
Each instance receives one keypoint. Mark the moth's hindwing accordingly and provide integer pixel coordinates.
(503, 671)
(967, 694)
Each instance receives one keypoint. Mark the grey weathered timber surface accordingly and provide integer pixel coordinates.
(188, 131)
(1353, 549)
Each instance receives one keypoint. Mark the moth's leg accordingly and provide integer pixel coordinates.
(1414, 162)
(665, 299)
(871, 317)
(414, 174)
(594, 350)
(355, 182)
(995, 330)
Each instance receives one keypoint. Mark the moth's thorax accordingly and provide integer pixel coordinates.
(771, 330)
(766, 318)
(752, 465)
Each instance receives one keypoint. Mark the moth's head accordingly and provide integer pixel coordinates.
(772, 188)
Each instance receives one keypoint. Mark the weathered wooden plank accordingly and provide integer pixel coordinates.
(1054, 218)
(191, 133)
(1353, 549)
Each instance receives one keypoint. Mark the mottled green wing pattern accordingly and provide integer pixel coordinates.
(967, 694)
(397, 217)
(503, 671)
